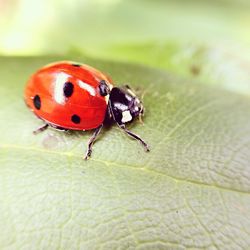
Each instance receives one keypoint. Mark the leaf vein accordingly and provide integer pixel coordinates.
(119, 164)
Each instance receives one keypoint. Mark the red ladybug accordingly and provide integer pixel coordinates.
(72, 96)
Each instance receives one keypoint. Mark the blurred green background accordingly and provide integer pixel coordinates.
(205, 40)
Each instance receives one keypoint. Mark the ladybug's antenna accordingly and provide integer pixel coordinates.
(140, 118)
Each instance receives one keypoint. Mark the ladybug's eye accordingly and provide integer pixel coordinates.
(103, 88)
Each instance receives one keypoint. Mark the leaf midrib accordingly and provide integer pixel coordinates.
(112, 163)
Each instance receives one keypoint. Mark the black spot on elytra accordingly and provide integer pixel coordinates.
(37, 102)
(75, 119)
(68, 89)
(76, 65)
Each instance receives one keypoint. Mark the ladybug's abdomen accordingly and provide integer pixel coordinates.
(67, 96)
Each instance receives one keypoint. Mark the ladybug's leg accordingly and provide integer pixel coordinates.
(41, 129)
(144, 144)
(92, 140)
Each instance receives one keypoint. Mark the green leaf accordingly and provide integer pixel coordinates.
(190, 191)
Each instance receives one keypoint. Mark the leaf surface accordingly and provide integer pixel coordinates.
(190, 191)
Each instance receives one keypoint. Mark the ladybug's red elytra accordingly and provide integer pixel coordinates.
(72, 96)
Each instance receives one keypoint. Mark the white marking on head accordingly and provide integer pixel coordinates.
(121, 106)
(126, 116)
(61, 78)
(87, 87)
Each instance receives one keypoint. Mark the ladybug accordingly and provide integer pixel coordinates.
(72, 96)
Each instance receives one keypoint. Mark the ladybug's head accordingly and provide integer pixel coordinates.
(124, 105)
